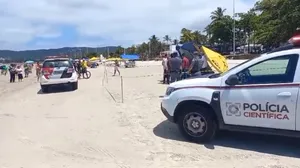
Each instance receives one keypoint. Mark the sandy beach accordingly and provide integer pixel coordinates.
(91, 128)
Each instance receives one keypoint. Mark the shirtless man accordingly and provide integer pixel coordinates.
(38, 71)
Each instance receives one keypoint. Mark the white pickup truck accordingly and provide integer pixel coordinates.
(257, 96)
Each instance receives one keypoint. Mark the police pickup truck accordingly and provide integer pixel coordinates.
(257, 96)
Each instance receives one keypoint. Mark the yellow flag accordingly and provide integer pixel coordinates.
(215, 59)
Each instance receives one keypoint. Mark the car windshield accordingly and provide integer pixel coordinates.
(57, 64)
(224, 73)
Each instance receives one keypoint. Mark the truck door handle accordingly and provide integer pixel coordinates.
(285, 94)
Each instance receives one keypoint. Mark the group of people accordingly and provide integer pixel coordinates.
(177, 68)
(15, 70)
(81, 67)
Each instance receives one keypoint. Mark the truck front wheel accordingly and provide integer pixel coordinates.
(197, 124)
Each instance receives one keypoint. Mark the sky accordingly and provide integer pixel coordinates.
(37, 24)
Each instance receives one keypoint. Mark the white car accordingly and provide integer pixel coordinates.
(258, 96)
(58, 71)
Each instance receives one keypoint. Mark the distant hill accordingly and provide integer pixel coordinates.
(37, 55)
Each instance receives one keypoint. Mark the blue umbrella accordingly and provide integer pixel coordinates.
(189, 46)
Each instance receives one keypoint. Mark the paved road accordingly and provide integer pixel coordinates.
(87, 128)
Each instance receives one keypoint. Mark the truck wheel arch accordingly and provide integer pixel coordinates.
(188, 103)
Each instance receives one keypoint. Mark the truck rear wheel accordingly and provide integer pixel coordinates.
(197, 124)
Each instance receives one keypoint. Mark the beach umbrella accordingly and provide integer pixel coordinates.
(94, 59)
(189, 46)
(215, 59)
(114, 59)
(29, 62)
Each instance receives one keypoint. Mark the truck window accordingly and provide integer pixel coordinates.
(275, 70)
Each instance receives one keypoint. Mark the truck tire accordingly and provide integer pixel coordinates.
(75, 86)
(197, 124)
(45, 89)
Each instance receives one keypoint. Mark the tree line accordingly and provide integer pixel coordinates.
(269, 23)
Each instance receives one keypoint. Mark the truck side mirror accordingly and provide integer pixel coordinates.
(232, 80)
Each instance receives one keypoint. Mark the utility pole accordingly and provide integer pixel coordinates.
(233, 27)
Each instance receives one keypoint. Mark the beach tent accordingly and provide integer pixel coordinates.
(130, 57)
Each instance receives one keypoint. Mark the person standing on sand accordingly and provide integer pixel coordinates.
(196, 64)
(38, 71)
(116, 68)
(185, 66)
(166, 74)
(19, 71)
(175, 67)
(12, 73)
(26, 70)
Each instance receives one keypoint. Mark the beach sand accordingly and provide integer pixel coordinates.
(91, 128)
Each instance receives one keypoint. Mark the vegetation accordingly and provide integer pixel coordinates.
(269, 22)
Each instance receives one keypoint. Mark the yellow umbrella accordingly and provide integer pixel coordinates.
(215, 59)
(114, 59)
(94, 59)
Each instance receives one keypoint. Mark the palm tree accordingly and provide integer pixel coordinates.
(167, 39)
(153, 38)
(155, 46)
(186, 35)
(217, 15)
(198, 37)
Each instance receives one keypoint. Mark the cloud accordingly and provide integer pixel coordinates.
(117, 22)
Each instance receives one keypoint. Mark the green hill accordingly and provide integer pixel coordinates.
(40, 54)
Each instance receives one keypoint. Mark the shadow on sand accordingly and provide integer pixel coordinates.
(161, 82)
(276, 145)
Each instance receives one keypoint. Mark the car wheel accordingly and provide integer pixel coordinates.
(45, 89)
(197, 124)
(75, 86)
